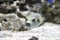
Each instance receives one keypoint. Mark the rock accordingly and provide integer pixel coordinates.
(10, 21)
(33, 38)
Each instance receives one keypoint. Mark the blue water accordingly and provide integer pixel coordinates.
(50, 1)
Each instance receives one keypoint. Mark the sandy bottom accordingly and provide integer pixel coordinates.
(48, 31)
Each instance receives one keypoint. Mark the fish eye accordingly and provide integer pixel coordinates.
(31, 5)
(25, 19)
(33, 20)
(18, 4)
(11, 2)
(1, 2)
(38, 20)
(5, 20)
